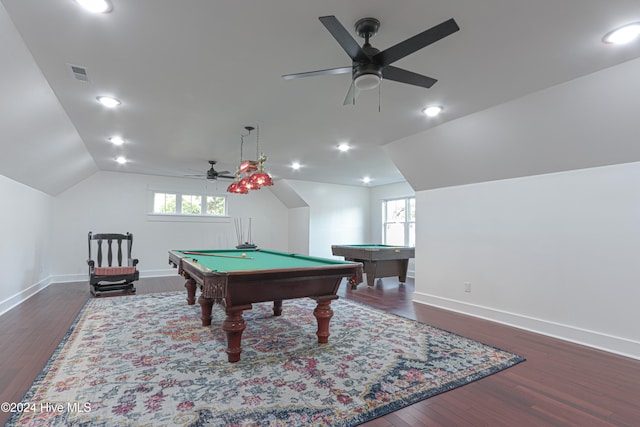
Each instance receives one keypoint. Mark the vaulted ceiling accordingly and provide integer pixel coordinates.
(192, 74)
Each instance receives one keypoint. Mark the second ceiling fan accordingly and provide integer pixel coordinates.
(212, 174)
(370, 65)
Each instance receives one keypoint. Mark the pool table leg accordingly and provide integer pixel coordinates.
(370, 272)
(324, 314)
(206, 305)
(404, 266)
(190, 285)
(233, 326)
(277, 308)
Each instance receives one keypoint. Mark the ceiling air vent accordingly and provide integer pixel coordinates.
(80, 73)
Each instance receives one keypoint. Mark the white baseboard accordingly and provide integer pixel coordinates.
(68, 278)
(84, 277)
(23, 295)
(159, 273)
(618, 345)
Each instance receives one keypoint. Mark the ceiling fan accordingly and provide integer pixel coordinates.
(213, 174)
(370, 65)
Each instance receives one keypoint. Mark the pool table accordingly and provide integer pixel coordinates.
(378, 260)
(237, 278)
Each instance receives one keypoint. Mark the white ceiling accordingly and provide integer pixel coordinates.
(191, 74)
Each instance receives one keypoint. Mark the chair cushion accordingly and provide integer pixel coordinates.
(113, 271)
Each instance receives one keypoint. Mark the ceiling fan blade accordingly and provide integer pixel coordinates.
(343, 37)
(352, 94)
(416, 42)
(409, 77)
(226, 176)
(341, 70)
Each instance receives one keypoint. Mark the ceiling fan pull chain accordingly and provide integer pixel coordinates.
(379, 96)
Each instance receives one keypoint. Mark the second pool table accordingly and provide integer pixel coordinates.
(237, 278)
(378, 260)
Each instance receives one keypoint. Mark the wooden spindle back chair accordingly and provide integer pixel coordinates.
(119, 273)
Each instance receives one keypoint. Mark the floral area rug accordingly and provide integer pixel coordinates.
(146, 360)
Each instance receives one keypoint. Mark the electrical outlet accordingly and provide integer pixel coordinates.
(467, 287)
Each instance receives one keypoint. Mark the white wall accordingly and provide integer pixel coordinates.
(555, 253)
(120, 202)
(338, 214)
(25, 227)
(299, 222)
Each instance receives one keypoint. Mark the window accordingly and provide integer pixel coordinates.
(216, 205)
(164, 203)
(399, 222)
(189, 204)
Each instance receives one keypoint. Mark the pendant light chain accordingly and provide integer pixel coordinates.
(257, 142)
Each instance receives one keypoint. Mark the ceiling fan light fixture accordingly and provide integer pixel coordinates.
(367, 81)
(623, 35)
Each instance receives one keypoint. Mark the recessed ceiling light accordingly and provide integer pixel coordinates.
(295, 165)
(108, 101)
(121, 160)
(366, 180)
(116, 140)
(432, 111)
(344, 147)
(623, 35)
(95, 6)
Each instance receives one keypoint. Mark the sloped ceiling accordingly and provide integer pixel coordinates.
(192, 74)
(588, 122)
(40, 146)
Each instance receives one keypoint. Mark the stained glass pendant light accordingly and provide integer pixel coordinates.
(250, 174)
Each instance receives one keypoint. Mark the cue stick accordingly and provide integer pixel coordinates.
(221, 256)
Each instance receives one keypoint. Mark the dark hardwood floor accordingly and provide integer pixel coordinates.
(560, 384)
